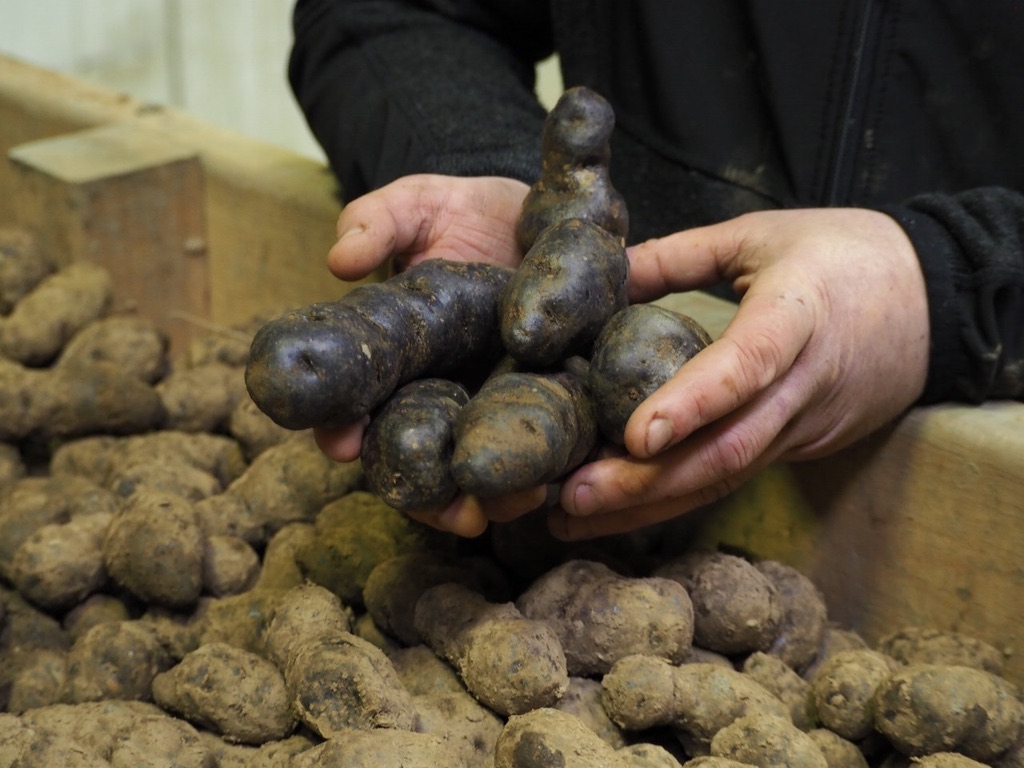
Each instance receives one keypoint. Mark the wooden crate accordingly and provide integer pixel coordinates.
(922, 524)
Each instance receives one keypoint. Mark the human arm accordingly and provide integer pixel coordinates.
(395, 88)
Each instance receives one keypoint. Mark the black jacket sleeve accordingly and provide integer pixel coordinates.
(971, 247)
(393, 88)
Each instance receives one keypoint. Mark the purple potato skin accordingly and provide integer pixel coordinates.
(568, 286)
(333, 363)
(575, 181)
(407, 447)
(639, 349)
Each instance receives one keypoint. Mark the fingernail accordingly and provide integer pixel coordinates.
(659, 433)
(584, 500)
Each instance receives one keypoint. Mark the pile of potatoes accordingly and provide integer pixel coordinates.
(186, 581)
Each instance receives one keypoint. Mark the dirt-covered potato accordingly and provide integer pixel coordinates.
(230, 565)
(333, 363)
(336, 680)
(354, 534)
(550, 737)
(920, 645)
(377, 748)
(230, 691)
(253, 429)
(395, 585)
(470, 728)
(575, 182)
(927, 708)
(155, 549)
(522, 430)
(780, 679)
(288, 483)
(696, 700)
(600, 616)
(736, 607)
(510, 663)
(134, 344)
(22, 265)
(804, 614)
(569, 284)
(114, 660)
(838, 752)
(37, 501)
(201, 399)
(60, 564)
(407, 447)
(61, 304)
(843, 691)
(69, 401)
(767, 741)
(638, 350)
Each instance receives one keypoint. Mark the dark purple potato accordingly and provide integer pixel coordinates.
(331, 364)
(569, 285)
(574, 182)
(639, 349)
(407, 448)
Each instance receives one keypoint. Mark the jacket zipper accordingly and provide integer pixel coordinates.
(839, 181)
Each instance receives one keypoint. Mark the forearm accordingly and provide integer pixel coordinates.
(971, 247)
(391, 89)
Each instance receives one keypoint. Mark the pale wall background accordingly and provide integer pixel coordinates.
(220, 60)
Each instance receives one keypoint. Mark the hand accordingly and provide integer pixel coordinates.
(830, 342)
(428, 217)
(410, 220)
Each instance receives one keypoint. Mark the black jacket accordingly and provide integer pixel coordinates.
(912, 107)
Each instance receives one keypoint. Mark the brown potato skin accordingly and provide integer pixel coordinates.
(522, 430)
(639, 349)
(570, 283)
(407, 447)
(332, 363)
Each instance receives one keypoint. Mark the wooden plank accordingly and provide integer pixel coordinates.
(124, 198)
(270, 213)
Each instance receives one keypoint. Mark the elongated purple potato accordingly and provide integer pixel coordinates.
(332, 363)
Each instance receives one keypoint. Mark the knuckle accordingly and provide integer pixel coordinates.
(730, 454)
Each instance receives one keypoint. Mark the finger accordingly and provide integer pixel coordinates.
(462, 517)
(684, 260)
(761, 343)
(714, 460)
(380, 224)
(504, 509)
(341, 443)
(566, 527)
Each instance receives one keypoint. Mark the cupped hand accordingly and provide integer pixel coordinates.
(829, 342)
(428, 217)
(410, 220)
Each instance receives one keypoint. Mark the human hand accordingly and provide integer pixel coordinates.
(830, 342)
(410, 220)
(428, 217)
